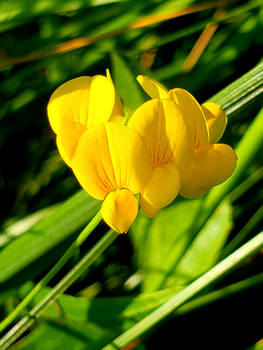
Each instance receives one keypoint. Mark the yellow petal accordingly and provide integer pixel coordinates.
(68, 139)
(152, 87)
(119, 210)
(163, 186)
(85, 100)
(165, 133)
(129, 156)
(210, 167)
(111, 156)
(216, 120)
(77, 105)
(62, 151)
(148, 209)
(193, 115)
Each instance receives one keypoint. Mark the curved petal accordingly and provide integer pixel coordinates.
(66, 100)
(165, 133)
(79, 104)
(62, 151)
(152, 87)
(68, 139)
(119, 209)
(210, 167)
(216, 120)
(148, 209)
(163, 187)
(85, 100)
(193, 115)
(111, 156)
(130, 158)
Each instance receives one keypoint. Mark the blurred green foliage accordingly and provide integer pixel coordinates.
(45, 43)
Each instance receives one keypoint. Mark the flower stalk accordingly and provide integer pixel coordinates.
(56, 268)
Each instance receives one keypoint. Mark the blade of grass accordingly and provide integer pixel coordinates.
(220, 294)
(241, 91)
(199, 47)
(236, 12)
(246, 184)
(61, 262)
(65, 283)
(202, 42)
(225, 266)
(89, 40)
(158, 18)
(242, 235)
(64, 221)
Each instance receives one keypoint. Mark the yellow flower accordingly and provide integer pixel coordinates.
(109, 160)
(78, 105)
(169, 146)
(112, 164)
(161, 124)
(212, 163)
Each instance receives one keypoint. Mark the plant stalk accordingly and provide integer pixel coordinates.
(56, 268)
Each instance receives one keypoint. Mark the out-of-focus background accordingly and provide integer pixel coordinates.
(198, 45)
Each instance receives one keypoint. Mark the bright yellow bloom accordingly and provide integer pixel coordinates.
(161, 124)
(78, 105)
(109, 160)
(212, 163)
(112, 164)
(168, 147)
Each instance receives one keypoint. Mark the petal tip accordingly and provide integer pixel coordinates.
(119, 210)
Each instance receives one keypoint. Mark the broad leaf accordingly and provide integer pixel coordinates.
(67, 335)
(125, 80)
(160, 243)
(65, 220)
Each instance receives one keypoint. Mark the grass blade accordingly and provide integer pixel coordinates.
(225, 266)
(84, 263)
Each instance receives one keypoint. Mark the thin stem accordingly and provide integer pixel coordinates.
(241, 189)
(48, 277)
(250, 248)
(242, 235)
(219, 294)
(65, 283)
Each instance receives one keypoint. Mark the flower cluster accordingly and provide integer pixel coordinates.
(168, 147)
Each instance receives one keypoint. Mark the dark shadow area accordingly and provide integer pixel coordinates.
(233, 323)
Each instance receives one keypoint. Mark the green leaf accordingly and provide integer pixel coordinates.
(225, 266)
(109, 312)
(257, 346)
(127, 87)
(20, 9)
(161, 242)
(62, 223)
(67, 335)
(206, 247)
(242, 91)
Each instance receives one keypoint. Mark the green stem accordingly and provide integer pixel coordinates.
(48, 277)
(241, 189)
(219, 294)
(242, 235)
(236, 12)
(65, 283)
(250, 248)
